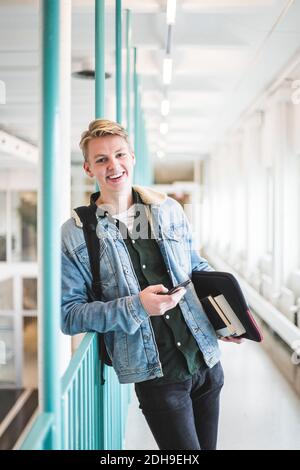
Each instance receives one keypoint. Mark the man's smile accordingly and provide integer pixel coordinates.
(116, 177)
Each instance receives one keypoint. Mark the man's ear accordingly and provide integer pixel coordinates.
(133, 158)
(87, 169)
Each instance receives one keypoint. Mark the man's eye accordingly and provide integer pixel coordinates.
(101, 160)
(121, 154)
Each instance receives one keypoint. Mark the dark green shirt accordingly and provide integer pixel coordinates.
(179, 353)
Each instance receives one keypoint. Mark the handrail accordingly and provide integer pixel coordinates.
(93, 416)
(82, 407)
(39, 433)
(81, 351)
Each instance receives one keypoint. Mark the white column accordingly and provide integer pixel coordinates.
(197, 200)
(255, 240)
(279, 151)
(291, 193)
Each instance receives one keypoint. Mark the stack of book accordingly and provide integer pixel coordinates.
(225, 305)
(221, 316)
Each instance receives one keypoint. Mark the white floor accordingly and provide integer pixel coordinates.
(259, 410)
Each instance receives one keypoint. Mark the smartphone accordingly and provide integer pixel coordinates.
(176, 288)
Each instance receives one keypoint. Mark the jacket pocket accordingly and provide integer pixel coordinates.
(175, 238)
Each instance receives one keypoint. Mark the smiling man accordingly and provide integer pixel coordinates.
(111, 161)
(164, 344)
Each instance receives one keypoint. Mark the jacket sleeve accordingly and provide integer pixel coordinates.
(78, 315)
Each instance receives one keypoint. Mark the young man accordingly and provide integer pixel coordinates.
(162, 343)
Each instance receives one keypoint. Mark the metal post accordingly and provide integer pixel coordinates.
(65, 141)
(99, 59)
(136, 120)
(128, 70)
(119, 61)
(50, 265)
(100, 113)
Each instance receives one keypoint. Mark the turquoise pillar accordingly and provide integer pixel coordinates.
(128, 69)
(119, 61)
(99, 59)
(100, 113)
(136, 118)
(49, 219)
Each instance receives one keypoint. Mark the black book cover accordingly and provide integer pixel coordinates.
(214, 283)
(212, 315)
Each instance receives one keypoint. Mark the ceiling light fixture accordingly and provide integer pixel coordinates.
(167, 70)
(171, 11)
(86, 69)
(163, 128)
(165, 107)
(160, 154)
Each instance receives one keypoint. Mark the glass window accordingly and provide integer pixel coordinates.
(30, 376)
(24, 226)
(30, 294)
(7, 352)
(6, 294)
(3, 226)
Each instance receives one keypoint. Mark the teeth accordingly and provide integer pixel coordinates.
(116, 176)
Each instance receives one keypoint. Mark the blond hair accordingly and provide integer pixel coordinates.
(101, 128)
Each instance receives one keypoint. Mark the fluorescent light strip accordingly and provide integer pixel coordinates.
(167, 70)
(165, 107)
(171, 11)
(160, 154)
(164, 128)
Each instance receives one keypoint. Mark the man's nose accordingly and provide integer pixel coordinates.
(113, 164)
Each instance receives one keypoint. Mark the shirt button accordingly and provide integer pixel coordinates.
(178, 344)
(167, 317)
(144, 266)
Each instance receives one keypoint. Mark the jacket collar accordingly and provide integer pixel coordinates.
(147, 195)
(150, 196)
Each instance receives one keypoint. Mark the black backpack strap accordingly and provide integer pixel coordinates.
(89, 221)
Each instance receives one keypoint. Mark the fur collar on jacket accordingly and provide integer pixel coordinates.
(148, 196)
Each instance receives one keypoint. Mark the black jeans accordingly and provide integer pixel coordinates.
(184, 415)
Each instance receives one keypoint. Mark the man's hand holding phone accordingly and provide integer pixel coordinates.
(157, 299)
(176, 288)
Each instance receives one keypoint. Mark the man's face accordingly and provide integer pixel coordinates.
(111, 162)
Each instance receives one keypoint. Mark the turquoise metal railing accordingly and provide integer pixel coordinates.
(82, 408)
(40, 433)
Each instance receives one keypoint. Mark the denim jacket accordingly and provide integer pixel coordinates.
(120, 315)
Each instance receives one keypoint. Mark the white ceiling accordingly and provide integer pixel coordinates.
(225, 52)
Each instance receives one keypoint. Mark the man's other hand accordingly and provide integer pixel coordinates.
(232, 339)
